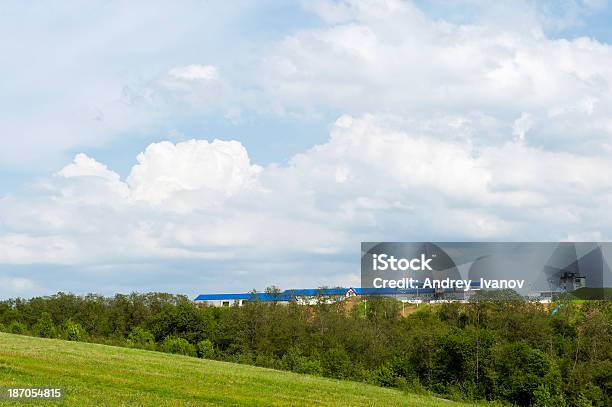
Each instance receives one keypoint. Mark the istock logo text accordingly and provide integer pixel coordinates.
(382, 262)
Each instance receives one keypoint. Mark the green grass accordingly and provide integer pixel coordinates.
(100, 375)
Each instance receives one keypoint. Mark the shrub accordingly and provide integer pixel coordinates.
(205, 349)
(527, 376)
(245, 358)
(178, 346)
(543, 398)
(295, 361)
(386, 376)
(16, 327)
(307, 365)
(73, 331)
(141, 338)
(45, 328)
(336, 362)
(268, 361)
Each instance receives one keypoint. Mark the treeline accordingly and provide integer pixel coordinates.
(512, 351)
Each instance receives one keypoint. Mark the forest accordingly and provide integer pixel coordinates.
(512, 351)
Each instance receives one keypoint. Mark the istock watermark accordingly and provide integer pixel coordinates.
(385, 262)
(457, 270)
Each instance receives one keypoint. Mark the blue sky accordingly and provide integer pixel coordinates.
(80, 60)
(337, 122)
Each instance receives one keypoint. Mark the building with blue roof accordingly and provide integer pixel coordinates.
(311, 296)
(302, 296)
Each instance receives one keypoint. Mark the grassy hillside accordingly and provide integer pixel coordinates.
(95, 374)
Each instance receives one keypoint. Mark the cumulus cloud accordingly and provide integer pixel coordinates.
(199, 170)
(444, 131)
(373, 179)
(84, 166)
(91, 181)
(221, 167)
(376, 55)
(388, 56)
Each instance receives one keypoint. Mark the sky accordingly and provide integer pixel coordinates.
(214, 146)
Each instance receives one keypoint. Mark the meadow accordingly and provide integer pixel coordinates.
(94, 374)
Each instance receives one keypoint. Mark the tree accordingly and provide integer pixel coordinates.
(514, 351)
(523, 374)
(503, 295)
(16, 327)
(176, 345)
(336, 362)
(205, 349)
(141, 338)
(45, 328)
(74, 331)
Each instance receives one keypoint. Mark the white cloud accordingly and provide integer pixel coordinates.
(123, 79)
(84, 166)
(222, 168)
(521, 126)
(194, 168)
(195, 72)
(373, 179)
(91, 182)
(69, 83)
(387, 56)
(482, 130)
(22, 248)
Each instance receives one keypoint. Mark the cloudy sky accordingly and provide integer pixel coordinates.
(223, 146)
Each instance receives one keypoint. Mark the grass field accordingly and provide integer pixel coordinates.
(93, 374)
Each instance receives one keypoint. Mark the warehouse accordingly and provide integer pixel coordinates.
(312, 296)
(307, 296)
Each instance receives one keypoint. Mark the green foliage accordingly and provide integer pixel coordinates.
(179, 346)
(497, 295)
(141, 338)
(266, 360)
(294, 360)
(386, 376)
(205, 349)
(525, 375)
(45, 328)
(307, 365)
(515, 352)
(16, 327)
(336, 362)
(73, 331)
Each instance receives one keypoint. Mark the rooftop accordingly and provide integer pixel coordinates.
(290, 295)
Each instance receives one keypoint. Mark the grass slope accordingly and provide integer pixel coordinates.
(98, 375)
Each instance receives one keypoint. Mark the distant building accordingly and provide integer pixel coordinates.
(571, 281)
(226, 300)
(311, 296)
